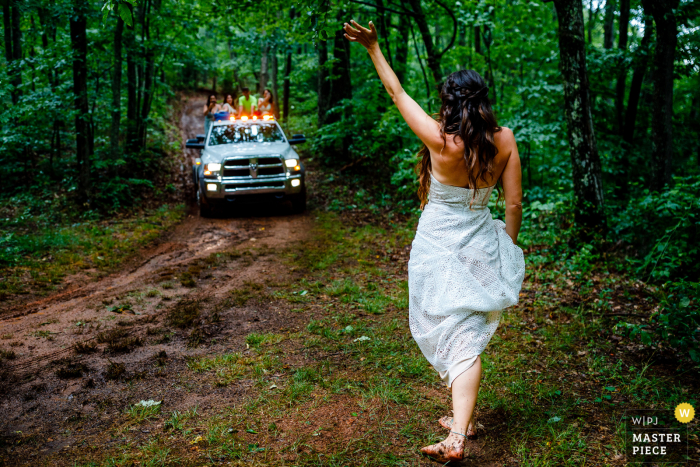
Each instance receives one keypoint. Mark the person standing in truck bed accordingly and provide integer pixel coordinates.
(209, 109)
(246, 103)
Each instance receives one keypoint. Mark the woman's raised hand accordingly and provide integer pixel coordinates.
(366, 37)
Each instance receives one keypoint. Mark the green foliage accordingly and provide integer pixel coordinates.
(664, 229)
(676, 323)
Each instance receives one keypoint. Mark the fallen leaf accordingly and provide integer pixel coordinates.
(274, 386)
(197, 440)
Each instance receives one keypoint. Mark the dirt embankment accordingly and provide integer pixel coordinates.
(72, 350)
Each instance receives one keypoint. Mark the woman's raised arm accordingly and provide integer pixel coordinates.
(418, 120)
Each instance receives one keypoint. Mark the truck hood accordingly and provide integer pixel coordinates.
(220, 152)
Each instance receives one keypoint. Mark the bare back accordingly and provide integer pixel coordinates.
(450, 168)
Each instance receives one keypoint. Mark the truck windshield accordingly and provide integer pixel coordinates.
(262, 132)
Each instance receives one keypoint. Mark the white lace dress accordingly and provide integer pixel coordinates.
(463, 271)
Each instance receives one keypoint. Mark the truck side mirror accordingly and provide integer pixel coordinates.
(194, 144)
(297, 139)
(200, 138)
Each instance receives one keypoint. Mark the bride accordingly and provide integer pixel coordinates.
(465, 267)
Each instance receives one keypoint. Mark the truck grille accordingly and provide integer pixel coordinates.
(253, 168)
(258, 184)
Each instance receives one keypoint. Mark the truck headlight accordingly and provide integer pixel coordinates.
(209, 169)
(291, 163)
(211, 186)
(296, 182)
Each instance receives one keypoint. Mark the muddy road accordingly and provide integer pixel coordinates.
(75, 349)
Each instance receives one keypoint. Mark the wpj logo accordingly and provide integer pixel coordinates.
(645, 421)
(657, 436)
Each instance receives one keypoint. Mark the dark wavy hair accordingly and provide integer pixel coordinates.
(466, 113)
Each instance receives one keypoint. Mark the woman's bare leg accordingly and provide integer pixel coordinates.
(465, 389)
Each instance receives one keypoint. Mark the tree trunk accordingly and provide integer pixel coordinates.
(273, 78)
(384, 30)
(402, 48)
(609, 21)
(17, 42)
(149, 74)
(13, 46)
(585, 161)
(340, 82)
(131, 93)
(640, 68)
(477, 40)
(78, 37)
(622, 73)
(264, 72)
(433, 56)
(695, 123)
(323, 82)
(116, 89)
(592, 18)
(7, 28)
(287, 72)
(147, 99)
(462, 35)
(662, 101)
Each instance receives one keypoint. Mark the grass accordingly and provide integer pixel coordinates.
(553, 390)
(184, 314)
(50, 252)
(144, 410)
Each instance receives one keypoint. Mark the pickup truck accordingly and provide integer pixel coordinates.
(247, 160)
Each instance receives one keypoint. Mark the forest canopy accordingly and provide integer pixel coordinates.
(602, 96)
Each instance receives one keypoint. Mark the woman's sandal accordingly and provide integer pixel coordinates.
(446, 422)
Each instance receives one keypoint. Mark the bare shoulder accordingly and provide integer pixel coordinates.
(504, 137)
(505, 142)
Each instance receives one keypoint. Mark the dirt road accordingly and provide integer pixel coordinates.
(72, 346)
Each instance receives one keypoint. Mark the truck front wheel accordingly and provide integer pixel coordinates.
(299, 201)
(204, 207)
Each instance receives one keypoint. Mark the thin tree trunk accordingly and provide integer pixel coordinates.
(490, 77)
(147, 97)
(384, 30)
(273, 78)
(608, 23)
(149, 75)
(422, 68)
(323, 83)
(662, 100)
(433, 57)
(13, 47)
(592, 19)
(264, 71)
(340, 82)
(131, 87)
(585, 160)
(477, 40)
(32, 51)
(462, 35)
(695, 123)
(9, 55)
(402, 47)
(116, 89)
(78, 36)
(340, 87)
(640, 68)
(287, 72)
(622, 73)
